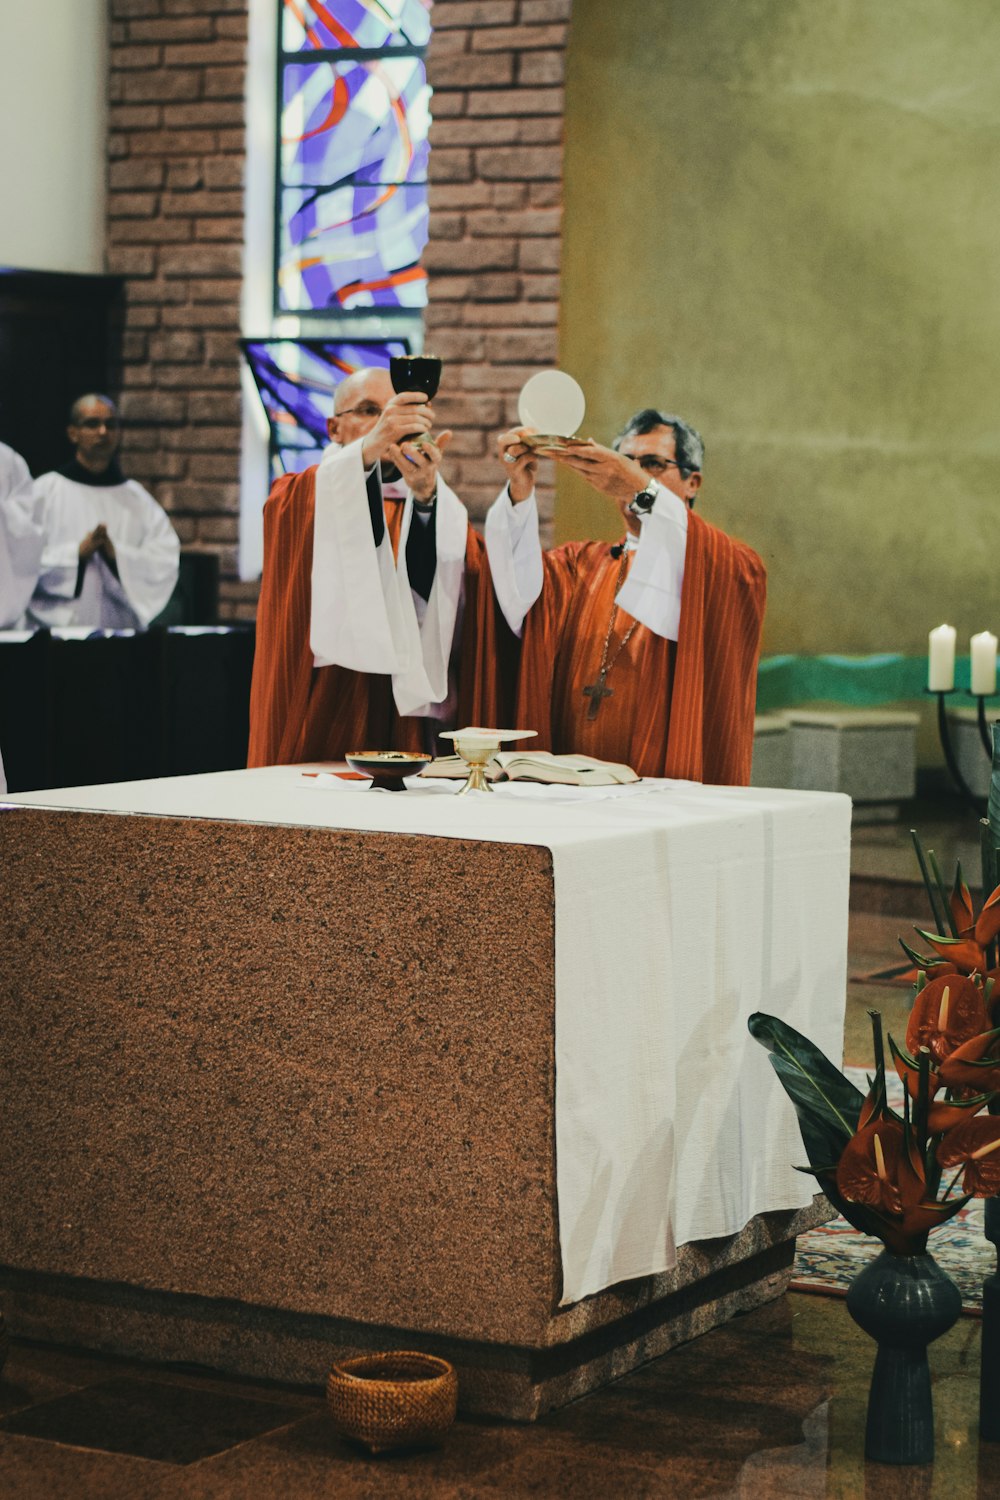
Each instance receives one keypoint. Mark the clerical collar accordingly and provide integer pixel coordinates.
(79, 475)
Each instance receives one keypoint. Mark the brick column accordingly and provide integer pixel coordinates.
(496, 67)
(175, 231)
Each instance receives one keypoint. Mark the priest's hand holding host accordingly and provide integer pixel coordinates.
(645, 652)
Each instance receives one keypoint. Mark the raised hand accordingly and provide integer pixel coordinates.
(418, 462)
(519, 461)
(604, 470)
(407, 415)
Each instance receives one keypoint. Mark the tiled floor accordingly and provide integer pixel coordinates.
(771, 1405)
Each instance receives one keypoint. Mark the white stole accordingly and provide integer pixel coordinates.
(363, 616)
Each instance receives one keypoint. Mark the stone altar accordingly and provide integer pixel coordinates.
(274, 1093)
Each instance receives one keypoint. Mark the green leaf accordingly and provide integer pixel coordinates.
(936, 937)
(827, 1104)
(928, 883)
(918, 958)
(901, 1052)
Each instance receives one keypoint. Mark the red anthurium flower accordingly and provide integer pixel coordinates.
(875, 1169)
(946, 1013)
(868, 1111)
(970, 1066)
(977, 1144)
(945, 1116)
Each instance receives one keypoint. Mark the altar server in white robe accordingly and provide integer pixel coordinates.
(21, 537)
(21, 541)
(111, 556)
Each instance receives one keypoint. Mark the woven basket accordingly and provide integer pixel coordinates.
(392, 1400)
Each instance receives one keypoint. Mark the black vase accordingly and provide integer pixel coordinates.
(904, 1302)
(989, 1378)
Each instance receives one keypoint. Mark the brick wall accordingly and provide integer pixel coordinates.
(496, 67)
(175, 231)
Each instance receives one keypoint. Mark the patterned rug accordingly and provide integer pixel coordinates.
(827, 1259)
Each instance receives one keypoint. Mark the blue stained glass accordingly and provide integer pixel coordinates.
(297, 379)
(312, 24)
(353, 208)
(353, 247)
(347, 120)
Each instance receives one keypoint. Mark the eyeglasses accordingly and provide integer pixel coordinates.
(363, 409)
(650, 464)
(93, 423)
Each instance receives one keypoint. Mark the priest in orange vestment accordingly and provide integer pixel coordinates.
(376, 619)
(645, 652)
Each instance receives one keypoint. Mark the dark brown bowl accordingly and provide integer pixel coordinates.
(388, 767)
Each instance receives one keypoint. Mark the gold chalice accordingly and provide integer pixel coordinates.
(477, 748)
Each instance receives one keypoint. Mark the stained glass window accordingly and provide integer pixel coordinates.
(350, 209)
(354, 23)
(297, 379)
(352, 167)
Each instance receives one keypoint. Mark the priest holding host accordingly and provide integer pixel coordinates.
(384, 618)
(376, 624)
(646, 652)
(111, 557)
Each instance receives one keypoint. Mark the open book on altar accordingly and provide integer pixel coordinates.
(538, 765)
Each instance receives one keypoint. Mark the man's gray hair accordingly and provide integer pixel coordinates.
(689, 448)
(79, 403)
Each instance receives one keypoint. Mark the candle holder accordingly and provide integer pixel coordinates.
(969, 797)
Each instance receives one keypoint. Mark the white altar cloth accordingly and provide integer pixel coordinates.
(680, 910)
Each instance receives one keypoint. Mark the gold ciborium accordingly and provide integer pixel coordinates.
(477, 748)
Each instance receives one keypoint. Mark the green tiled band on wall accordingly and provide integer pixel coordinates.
(857, 681)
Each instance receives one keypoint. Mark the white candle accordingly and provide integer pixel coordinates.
(983, 650)
(941, 659)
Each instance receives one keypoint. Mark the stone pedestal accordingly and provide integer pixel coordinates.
(869, 754)
(273, 1094)
(772, 751)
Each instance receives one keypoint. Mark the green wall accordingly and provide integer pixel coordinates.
(782, 219)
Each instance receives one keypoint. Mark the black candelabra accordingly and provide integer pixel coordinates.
(971, 798)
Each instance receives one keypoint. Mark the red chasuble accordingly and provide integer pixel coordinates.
(682, 709)
(299, 712)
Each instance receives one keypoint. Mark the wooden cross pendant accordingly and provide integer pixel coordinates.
(595, 691)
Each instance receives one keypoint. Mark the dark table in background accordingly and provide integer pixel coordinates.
(78, 709)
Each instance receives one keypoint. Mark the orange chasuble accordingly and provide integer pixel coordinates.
(299, 712)
(681, 709)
